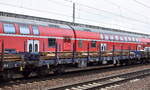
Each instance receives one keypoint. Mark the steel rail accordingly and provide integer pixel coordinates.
(106, 81)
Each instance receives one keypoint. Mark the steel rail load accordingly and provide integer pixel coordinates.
(33, 44)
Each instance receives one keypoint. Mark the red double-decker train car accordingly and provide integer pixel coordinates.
(31, 44)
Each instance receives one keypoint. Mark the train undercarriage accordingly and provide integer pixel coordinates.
(58, 62)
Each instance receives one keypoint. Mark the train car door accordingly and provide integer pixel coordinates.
(33, 46)
(103, 46)
(36, 46)
(67, 46)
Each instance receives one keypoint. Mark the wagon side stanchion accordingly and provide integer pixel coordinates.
(33, 45)
(24, 46)
(73, 54)
(122, 51)
(138, 54)
(129, 48)
(88, 52)
(121, 55)
(100, 52)
(23, 57)
(147, 54)
(129, 54)
(43, 46)
(2, 56)
(56, 54)
(113, 54)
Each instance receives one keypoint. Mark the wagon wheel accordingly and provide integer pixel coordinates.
(59, 70)
(7, 75)
(41, 72)
(26, 74)
(116, 63)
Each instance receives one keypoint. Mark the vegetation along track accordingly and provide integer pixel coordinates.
(107, 81)
(52, 80)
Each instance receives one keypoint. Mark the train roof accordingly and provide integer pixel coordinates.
(12, 17)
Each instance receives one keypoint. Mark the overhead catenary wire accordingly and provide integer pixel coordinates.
(142, 4)
(31, 9)
(62, 4)
(126, 9)
(56, 2)
(119, 20)
(98, 14)
(122, 16)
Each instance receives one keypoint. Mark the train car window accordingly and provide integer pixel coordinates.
(93, 44)
(129, 38)
(102, 36)
(7, 50)
(134, 39)
(121, 38)
(24, 29)
(9, 28)
(67, 39)
(103, 46)
(80, 43)
(54, 26)
(95, 30)
(78, 28)
(51, 42)
(85, 29)
(117, 38)
(36, 47)
(125, 38)
(111, 37)
(30, 48)
(138, 40)
(65, 27)
(106, 37)
(35, 30)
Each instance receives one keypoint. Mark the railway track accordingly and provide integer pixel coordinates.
(107, 81)
(36, 82)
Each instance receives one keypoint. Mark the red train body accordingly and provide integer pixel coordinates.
(20, 42)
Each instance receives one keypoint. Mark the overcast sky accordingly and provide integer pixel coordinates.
(129, 15)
